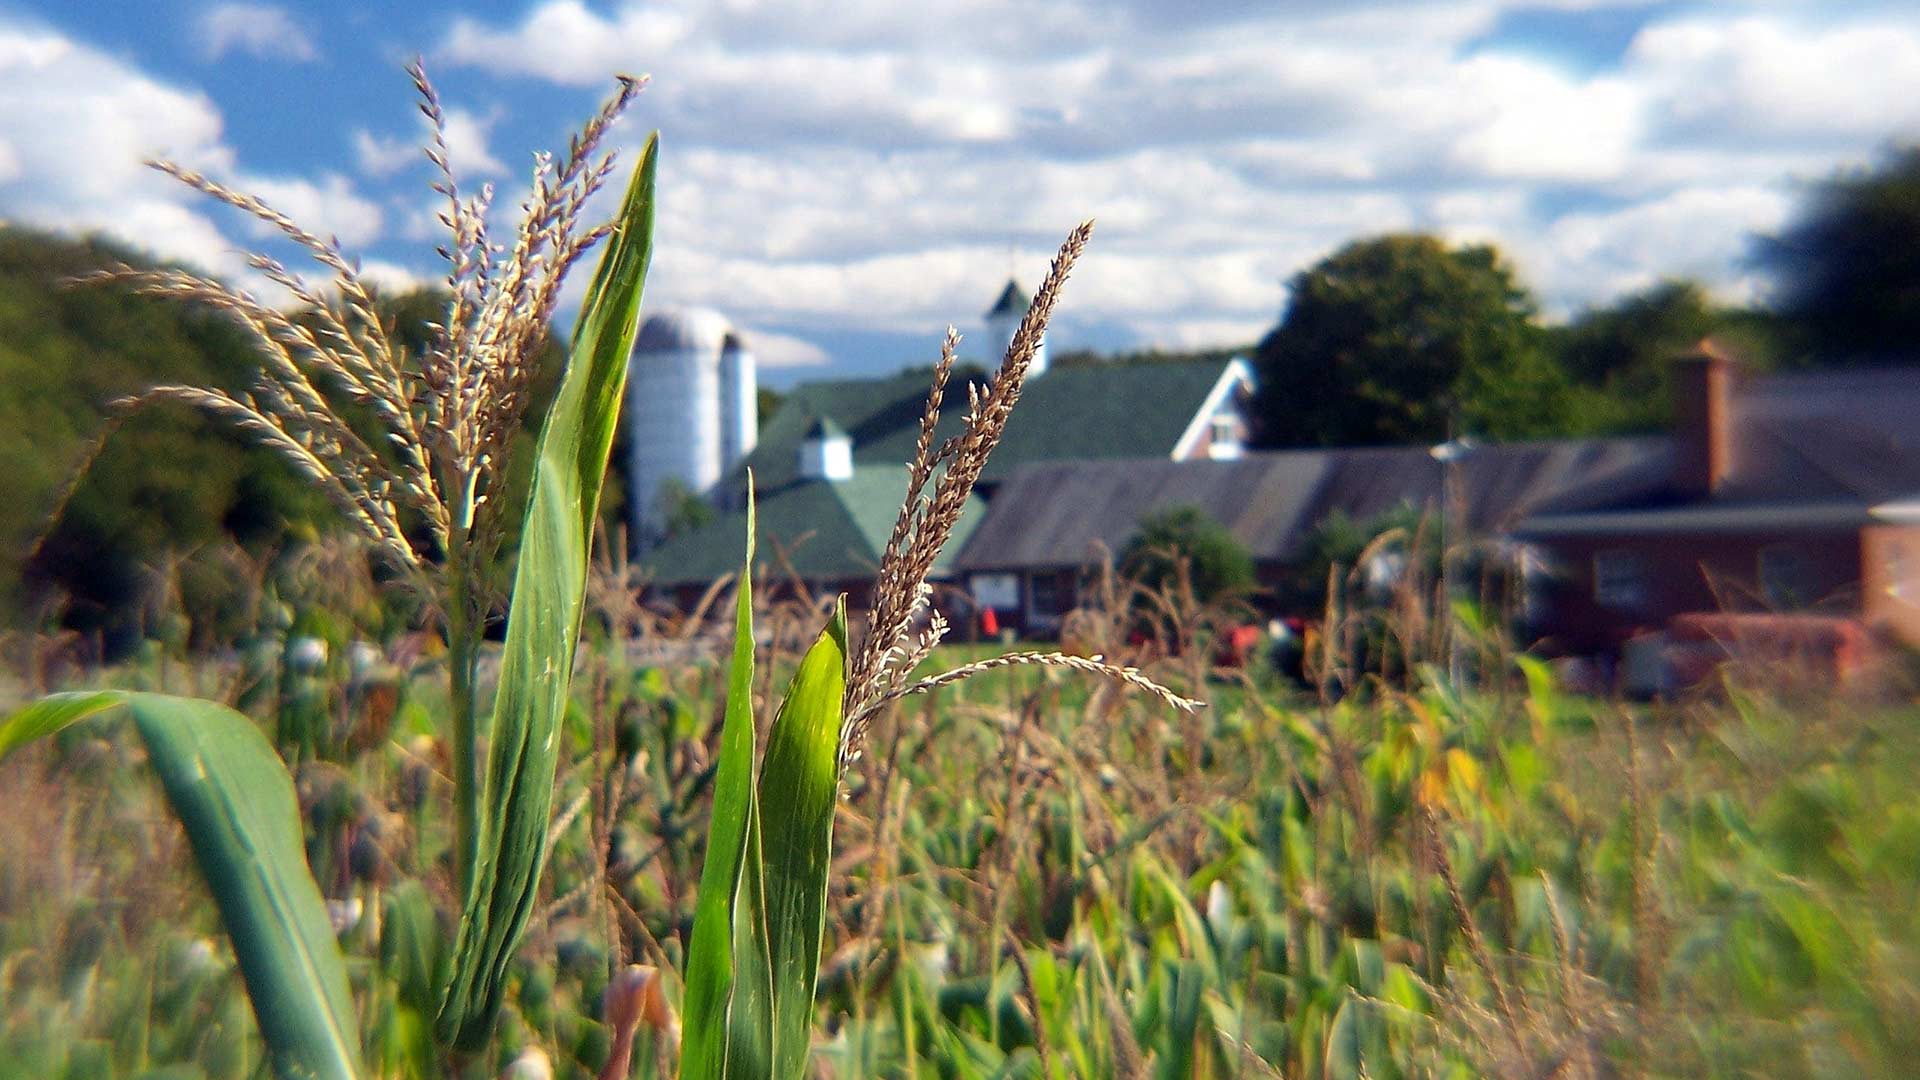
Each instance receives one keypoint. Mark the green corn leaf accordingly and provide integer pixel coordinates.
(750, 1027)
(543, 627)
(799, 787)
(712, 978)
(52, 714)
(236, 802)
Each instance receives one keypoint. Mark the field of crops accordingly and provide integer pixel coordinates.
(1038, 875)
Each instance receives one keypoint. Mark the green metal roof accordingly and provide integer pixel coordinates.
(829, 531)
(1092, 411)
(837, 530)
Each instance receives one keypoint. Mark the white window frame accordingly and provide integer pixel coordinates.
(1224, 439)
(998, 591)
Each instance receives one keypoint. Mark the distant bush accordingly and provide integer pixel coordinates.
(1218, 564)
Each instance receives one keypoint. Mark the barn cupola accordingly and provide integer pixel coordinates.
(826, 452)
(1003, 321)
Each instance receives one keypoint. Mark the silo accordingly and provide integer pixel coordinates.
(739, 402)
(674, 412)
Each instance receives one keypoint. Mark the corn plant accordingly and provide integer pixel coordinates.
(450, 417)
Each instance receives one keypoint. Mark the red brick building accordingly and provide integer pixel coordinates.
(1776, 493)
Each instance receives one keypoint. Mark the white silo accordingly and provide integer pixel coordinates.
(674, 412)
(739, 401)
(1003, 321)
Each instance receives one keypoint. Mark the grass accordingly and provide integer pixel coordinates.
(1037, 876)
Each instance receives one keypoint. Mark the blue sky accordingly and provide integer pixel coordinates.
(844, 178)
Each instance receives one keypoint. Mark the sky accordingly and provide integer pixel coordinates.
(843, 179)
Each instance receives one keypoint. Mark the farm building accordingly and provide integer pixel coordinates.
(830, 473)
(1049, 521)
(1778, 493)
(829, 466)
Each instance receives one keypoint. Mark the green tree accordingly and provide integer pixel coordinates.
(1218, 565)
(161, 484)
(1397, 338)
(1620, 355)
(1847, 268)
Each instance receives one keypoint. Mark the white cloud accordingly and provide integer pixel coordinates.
(565, 42)
(77, 124)
(380, 156)
(1526, 120)
(328, 207)
(773, 350)
(826, 178)
(390, 277)
(260, 30)
(467, 134)
(1775, 78)
(1702, 232)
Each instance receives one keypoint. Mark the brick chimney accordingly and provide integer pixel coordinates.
(1703, 419)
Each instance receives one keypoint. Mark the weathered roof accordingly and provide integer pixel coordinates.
(1832, 440)
(1843, 434)
(828, 531)
(1013, 301)
(1059, 513)
(1094, 411)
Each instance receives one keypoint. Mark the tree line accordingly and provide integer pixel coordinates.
(1404, 338)
(1392, 339)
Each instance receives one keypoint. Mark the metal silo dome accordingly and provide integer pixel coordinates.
(674, 409)
(672, 329)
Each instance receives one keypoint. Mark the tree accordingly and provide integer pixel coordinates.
(1399, 338)
(1217, 564)
(1847, 269)
(1620, 356)
(160, 485)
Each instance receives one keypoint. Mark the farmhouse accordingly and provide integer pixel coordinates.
(1790, 492)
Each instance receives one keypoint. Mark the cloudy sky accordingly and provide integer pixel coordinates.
(844, 178)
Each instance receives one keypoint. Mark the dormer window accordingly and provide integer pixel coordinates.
(826, 453)
(1224, 435)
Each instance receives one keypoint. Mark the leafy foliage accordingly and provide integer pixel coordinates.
(1218, 565)
(1620, 355)
(165, 482)
(1400, 339)
(237, 805)
(1848, 267)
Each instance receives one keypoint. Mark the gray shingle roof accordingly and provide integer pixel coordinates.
(836, 531)
(1054, 514)
(1829, 438)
